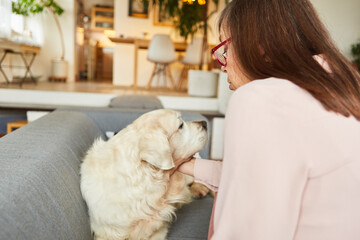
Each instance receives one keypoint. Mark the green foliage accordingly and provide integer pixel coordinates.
(355, 51)
(33, 7)
(190, 17)
(172, 7)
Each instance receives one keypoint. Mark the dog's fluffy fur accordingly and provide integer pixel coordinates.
(126, 181)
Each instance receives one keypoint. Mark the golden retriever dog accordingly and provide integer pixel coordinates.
(127, 181)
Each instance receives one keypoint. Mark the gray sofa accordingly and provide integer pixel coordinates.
(40, 196)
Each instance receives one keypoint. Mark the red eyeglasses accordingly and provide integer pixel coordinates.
(220, 50)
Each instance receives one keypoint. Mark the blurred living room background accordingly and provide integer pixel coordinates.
(92, 57)
(86, 52)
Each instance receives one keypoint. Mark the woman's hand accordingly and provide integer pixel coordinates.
(187, 167)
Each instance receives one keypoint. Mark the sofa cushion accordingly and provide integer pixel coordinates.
(138, 102)
(192, 220)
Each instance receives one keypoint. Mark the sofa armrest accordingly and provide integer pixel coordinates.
(40, 195)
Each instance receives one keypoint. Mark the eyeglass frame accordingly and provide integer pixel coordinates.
(219, 46)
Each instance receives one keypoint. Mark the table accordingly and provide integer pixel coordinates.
(21, 49)
(143, 44)
(11, 126)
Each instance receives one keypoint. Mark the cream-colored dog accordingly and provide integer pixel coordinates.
(127, 182)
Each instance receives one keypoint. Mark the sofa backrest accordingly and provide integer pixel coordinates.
(113, 120)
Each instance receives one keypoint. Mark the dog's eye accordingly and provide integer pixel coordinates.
(181, 125)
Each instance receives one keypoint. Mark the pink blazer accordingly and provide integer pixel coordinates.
(291, 169)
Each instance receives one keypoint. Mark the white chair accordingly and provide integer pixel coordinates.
(191, 60)
(162, 53)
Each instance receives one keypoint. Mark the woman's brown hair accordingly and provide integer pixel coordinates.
(291, 33)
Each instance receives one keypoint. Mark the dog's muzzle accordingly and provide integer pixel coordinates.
(203, 124)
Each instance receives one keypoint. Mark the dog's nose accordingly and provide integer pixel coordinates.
(204, 124)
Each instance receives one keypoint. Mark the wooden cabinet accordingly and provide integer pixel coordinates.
(104, 63)
(102, 18)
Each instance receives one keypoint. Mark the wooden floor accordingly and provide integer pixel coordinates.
(94, 87)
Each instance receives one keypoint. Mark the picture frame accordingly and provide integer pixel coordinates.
(161, 18)
(138, 9)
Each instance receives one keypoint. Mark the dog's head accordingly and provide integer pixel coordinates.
(165, 138)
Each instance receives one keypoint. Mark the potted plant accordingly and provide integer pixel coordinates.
(33, 7)
(355, 51)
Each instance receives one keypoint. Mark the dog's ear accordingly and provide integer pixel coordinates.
(154, 148)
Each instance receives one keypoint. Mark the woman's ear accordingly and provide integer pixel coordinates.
(154, 148)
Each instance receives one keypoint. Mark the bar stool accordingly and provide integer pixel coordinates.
(26, 65)
(162, 53)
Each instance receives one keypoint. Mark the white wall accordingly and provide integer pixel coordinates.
(342, 18)
(46, 33)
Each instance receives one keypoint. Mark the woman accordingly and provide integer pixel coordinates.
(291, 167)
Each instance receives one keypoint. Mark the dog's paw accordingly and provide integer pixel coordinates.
(199, 190)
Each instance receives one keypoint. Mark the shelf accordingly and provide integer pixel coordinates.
(102, 18)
